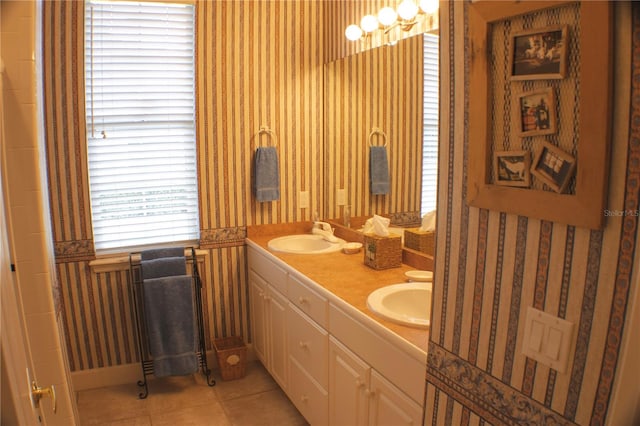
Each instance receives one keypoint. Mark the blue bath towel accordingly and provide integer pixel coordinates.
(162, 252)
(163, 267)
(379, 170)
(266, 174)
(169, 310)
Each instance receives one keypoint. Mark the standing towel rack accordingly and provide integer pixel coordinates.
(270, 133)
(377, 131)
(136, 291)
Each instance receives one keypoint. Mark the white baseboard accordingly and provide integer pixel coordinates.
(128, 373)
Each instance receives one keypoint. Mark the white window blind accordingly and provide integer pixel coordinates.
(430, 125)
(140, 103)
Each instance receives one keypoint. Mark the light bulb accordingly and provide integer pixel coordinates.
(387, 16)
(407, 10)
(353, 32)
(429, 6)
(369, 23)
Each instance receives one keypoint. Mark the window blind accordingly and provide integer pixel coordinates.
(140, 103)
(430, 125)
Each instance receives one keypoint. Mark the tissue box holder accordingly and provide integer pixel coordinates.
(423, 241)
(382, 252)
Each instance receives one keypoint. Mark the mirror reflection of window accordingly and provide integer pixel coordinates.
(430, 126)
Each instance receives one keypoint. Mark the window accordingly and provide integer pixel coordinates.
(140, 103)
(430, 126)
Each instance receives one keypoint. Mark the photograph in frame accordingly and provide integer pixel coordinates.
(512, 168)
(536, 113)
(539, 54)
(553, 166)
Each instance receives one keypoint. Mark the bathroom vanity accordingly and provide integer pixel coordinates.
(338, 362)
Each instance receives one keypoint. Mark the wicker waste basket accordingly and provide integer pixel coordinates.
(231, 353)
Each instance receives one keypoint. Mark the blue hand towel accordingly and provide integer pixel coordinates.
(267, 174)
(169, 314)
(163, 267)
(162, 252)
(379, 170)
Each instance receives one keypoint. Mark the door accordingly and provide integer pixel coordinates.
(15, 351)
(389, 406)
(257, 289)
(277, 323)
(348, 387)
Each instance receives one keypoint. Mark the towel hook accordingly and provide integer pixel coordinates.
(270, 133)
(377, 131)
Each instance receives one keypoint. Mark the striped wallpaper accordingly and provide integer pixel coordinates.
(491, 266)
(65, 129)
(380, 88)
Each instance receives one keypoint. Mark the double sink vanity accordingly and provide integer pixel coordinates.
(339, 357)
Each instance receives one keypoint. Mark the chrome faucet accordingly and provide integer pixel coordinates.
(324, 229)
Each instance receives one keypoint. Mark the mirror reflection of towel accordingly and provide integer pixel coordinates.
(379, 170)
(267, 174)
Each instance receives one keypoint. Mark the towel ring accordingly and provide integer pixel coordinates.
(270, 133)
(376, 131)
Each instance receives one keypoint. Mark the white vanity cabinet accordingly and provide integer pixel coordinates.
(268, 310)
(336, 365)
(360, 396)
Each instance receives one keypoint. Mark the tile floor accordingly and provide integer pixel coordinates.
(180, 401)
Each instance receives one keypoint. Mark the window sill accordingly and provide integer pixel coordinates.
(120, 262)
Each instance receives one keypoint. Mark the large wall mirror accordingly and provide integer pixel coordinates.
(393, 88)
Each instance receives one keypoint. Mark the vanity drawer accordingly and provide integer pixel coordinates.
(269, 271)
(309, 397)
(308, 301)
(308, 345)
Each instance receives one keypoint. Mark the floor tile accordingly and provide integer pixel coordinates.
(255, 399)
(207, 414)
(263, 409)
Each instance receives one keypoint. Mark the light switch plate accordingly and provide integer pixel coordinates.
(304, 199)
(341, 197)
(547, 339)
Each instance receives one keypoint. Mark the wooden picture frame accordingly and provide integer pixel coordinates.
(512, 168)
(553, 166)
(535, 112)
(539, 53)
(585, 206)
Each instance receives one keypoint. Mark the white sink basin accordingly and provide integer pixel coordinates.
(406, 303)
(305, 244)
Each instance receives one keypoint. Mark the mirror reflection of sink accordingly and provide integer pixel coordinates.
(305, 244)
(407, 303)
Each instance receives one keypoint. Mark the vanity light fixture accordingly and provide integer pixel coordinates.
(353, 32)
(369, 23)
(405, 16)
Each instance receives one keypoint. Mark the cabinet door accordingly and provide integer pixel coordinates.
(389, 406)
(257, 297)
(277, 313)
(348, 387)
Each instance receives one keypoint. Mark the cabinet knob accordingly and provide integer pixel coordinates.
(302, 300)
(304, 398)
(303, 345)
(370, 393)
(359, 383)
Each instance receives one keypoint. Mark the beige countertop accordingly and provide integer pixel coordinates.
(345, 276)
